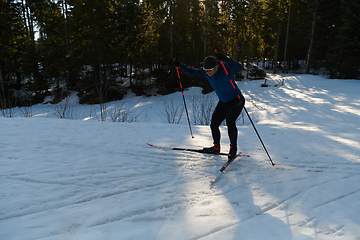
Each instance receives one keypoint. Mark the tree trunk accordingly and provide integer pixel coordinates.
(205, 33)
(277, 41)
(307, 70)
(171, 31)
(248, 59)
(2, 82)
(131, 67)
(276, 49)
(236, 50)
(287, 36)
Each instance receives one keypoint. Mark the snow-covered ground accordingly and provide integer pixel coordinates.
(86, 179)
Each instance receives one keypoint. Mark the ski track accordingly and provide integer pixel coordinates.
(337, 199)
(275, 205)
(85, 175)
(82, 201)
(271, 206)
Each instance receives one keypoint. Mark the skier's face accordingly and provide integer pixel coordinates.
(213, 71)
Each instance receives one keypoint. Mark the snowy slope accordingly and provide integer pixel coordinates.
(72, 179)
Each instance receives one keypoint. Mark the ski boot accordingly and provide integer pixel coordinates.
(232, 152)
(213, 150)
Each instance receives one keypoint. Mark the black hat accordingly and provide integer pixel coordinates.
(210, 62)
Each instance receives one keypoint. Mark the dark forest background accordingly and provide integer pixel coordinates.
(89, 46)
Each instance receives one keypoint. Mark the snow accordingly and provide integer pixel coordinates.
(87, 179)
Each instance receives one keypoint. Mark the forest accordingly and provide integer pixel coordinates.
(91, 46)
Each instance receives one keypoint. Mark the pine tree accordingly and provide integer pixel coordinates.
(348, 48)
(13, 42)
(94, 41)
(52, 42)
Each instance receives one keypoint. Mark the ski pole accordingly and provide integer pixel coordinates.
(182, 92)
(259, 136)
(248, 114)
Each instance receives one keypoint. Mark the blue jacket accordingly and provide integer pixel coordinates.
(220, 81)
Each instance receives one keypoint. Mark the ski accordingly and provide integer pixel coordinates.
(223, 168)
(185, 149)
(191, 150)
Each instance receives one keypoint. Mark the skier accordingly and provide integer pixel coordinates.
(230, 105)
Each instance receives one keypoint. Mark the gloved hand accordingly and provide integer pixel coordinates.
(177, 63)
(221, 57)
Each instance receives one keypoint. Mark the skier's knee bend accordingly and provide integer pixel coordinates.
(214, 126)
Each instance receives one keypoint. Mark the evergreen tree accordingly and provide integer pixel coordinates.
(298, 41)
(346, 53)
(5, 50)
(52, 42)
(234, 16)
(13, 42)
(94, 43)
(32, 58)
(214, 30)
(88, 44)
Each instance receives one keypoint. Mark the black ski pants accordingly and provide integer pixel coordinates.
(230, 112)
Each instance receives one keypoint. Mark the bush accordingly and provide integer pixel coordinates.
(112, 94)
(257, 73)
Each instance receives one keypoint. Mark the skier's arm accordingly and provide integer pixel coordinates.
(192, 72)
(233, 66)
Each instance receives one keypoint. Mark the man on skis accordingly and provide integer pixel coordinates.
(231, 101)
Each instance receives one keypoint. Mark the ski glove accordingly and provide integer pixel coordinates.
(177, 63)
(221, 57)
